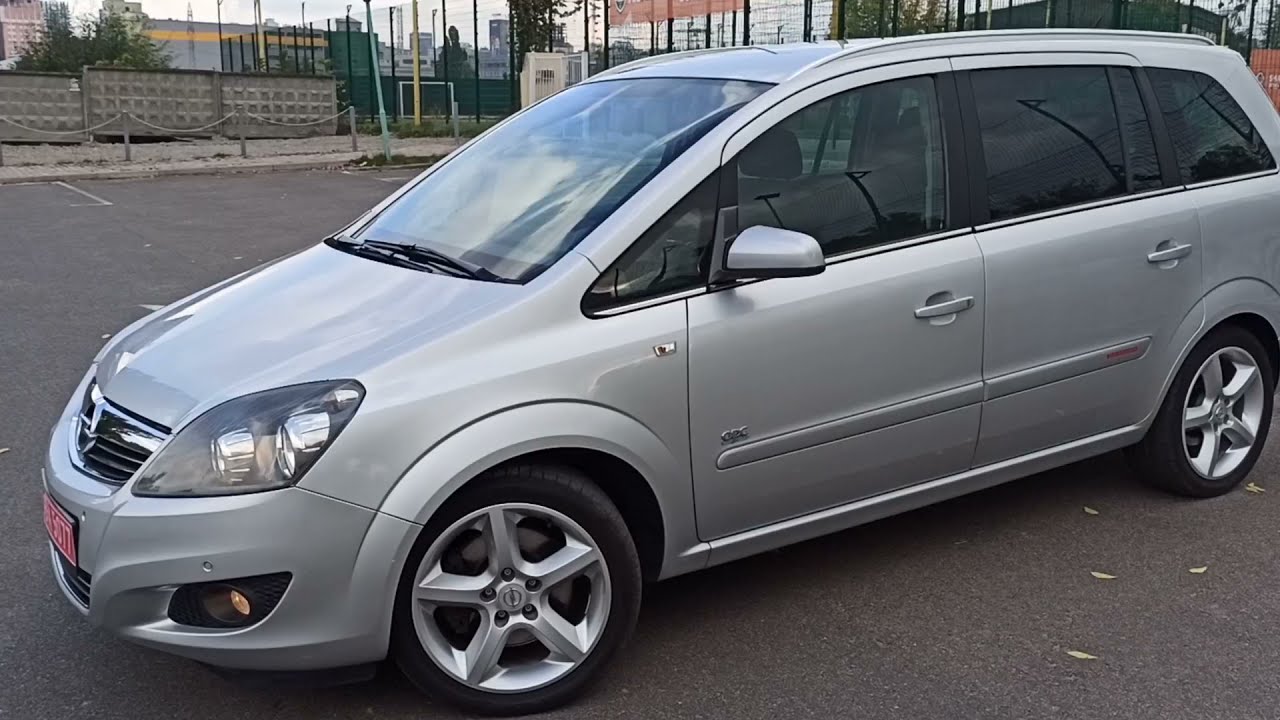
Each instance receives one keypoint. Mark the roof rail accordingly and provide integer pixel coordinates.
(669, 57)
(996, 36)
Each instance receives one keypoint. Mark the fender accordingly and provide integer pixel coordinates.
(508, 434)
(1242, 295)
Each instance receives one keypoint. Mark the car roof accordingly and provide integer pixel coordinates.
(778, 63)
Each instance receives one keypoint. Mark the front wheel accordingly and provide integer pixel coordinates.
(1214, 420)
(517, 592)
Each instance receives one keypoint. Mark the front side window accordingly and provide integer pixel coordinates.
(526, 193)
(1212, 137)
(1050, 137)
(672, 256)
(858, 169)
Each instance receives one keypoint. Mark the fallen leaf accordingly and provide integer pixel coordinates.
(3, 450)
(1254, 488)
(1081, 655)
(1199, 570)
(1089, 511)
(107, 335)
(1102, 576)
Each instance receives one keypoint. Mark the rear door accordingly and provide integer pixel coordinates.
(1093, 256)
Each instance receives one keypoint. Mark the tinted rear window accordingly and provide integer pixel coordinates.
(1212, 136)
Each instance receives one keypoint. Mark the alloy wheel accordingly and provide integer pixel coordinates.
(511, 598)
(1222, 412)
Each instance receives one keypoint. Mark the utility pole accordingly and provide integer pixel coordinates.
(221, 62)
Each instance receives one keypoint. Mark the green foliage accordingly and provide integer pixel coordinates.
(874, 18)
(454, 59)
(67, 45)
(534, 21)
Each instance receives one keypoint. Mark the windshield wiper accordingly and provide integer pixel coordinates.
(418, 253)
(390, 257)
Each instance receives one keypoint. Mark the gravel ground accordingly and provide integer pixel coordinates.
(113, 153)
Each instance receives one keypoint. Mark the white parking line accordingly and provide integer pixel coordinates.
(97, 201)
(393, 179)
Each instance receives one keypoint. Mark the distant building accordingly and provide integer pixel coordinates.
(130, 11)
(499, 35)
(173, 39)
(21, 22)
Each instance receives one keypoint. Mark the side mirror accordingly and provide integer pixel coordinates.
(765, 252)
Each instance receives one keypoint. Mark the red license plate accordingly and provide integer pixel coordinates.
(62, 529)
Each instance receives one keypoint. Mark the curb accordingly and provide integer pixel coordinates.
(340, 161)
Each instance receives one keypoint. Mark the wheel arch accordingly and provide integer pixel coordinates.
(1247, 303)
(650, 486)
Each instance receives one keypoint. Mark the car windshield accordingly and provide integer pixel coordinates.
(527, 192)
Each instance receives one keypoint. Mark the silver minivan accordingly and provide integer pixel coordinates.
(696, 307)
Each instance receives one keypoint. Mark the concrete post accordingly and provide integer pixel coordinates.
(244, 151)
(124, 121)
(351, 120)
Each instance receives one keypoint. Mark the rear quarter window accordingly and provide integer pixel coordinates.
(1212, 136)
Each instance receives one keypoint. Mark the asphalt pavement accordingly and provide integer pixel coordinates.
(967, 609)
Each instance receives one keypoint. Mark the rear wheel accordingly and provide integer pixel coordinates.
(517, 592)
(1214, 420)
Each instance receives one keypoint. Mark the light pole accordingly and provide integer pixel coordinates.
(222, 63)
(435, 42)
(377, 82)
(351, 81)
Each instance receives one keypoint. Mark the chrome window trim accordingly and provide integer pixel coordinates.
(1082, 207)
(1233, 178)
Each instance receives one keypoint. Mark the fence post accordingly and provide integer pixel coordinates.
(1248, 48)
(124, 122)
(840, 5)
(1116, 10)
(604, 52)
(671, 32)
(240, 122)
(1, 154)
(746, 22)
(894, 24)
(351, 121)
(475, 42)
(395, 83)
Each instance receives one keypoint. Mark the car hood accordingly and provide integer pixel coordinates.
(318, 314)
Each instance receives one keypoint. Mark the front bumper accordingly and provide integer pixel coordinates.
(135, 551)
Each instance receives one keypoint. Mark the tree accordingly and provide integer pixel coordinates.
(108, 40)
(535, 20)
(873, 18)
(454, 57)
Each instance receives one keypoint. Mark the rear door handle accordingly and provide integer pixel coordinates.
(1173, 252)
(949, 307)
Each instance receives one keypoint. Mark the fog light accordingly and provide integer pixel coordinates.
(226, 604)
(240, 603)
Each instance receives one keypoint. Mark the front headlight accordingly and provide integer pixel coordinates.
(257, 442)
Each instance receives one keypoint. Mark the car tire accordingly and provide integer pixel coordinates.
(583, 511)
(1164, 457)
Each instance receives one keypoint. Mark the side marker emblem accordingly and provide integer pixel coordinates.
(667, 348)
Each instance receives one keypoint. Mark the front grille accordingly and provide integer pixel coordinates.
(76, 580)
(110, 443)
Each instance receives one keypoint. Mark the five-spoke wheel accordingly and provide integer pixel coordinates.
(517, 592)
(1215, 417)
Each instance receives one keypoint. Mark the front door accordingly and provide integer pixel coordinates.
(807, 393)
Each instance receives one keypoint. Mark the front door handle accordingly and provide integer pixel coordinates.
(946, 307)
(1168, 251)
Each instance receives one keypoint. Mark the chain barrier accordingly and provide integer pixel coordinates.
(281, 123)
(126, 116)
(60, 132)
(215, 123)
